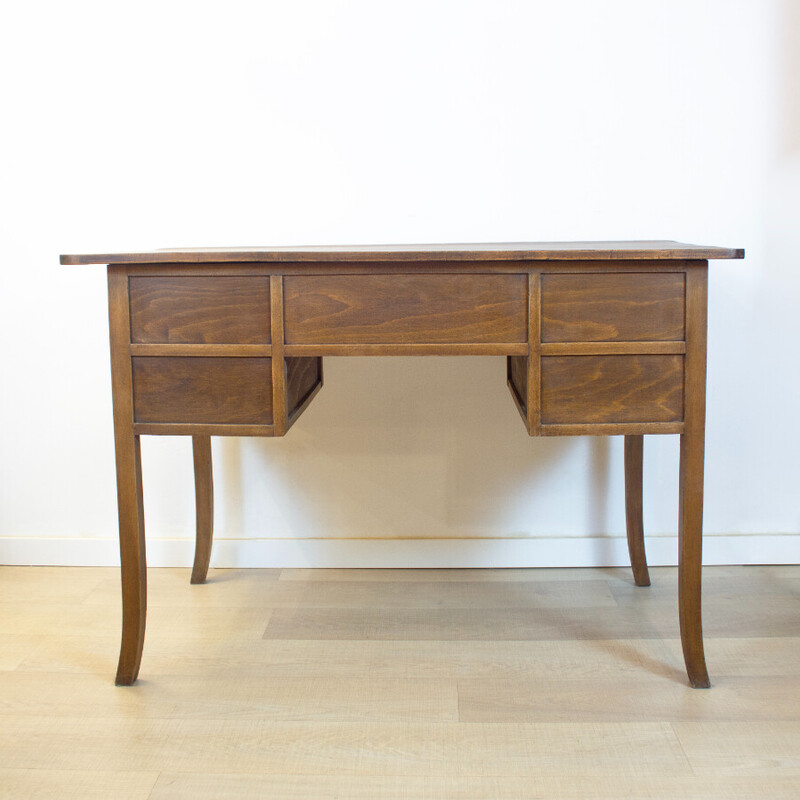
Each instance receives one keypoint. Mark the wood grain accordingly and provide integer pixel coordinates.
(200, 429)
(460, 624)
(634, 522)
(303, 375)
(202, 390)
(382, 309)
(210, 350)
(651, 786)
(691, 474)
(613, 307)
(280, 413)
(739, 749)
(71, 784)
(605, 699)
(224, 714)
(408, 349)
(204, 506)
(612, 389)
(605, 348)
(200, 310)
(536, 251)
(533, 406)
(517, 379)
(130, 503)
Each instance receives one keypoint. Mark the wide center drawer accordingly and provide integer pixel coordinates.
(401, 308)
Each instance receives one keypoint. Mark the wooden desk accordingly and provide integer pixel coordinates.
(600, 337)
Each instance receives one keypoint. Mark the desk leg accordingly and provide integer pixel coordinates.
(690, 535)
(634, 450)
(132, 558)
(129, 482)
(690, 520)
(204, 504)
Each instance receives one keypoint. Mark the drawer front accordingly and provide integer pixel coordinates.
(613, 307)
(199, 310)
(202, 390)
(602, 389)
(399, 309)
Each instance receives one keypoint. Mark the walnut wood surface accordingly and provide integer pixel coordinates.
(130, 503)
(690, 504)
(389, 309)
(517, 377)
(202, 390)
(536, 251)
(280, 413)
(634, 521)
(613, 307)
(200, 310)
(533, 408)
(204, 507)
(303, 375)
(597, 389)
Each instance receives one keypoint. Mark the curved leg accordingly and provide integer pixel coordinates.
(133, 562)
(690, 521)
(634, 450)
(204, 503)
(690, 538)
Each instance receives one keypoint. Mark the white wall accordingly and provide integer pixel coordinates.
(133, 126)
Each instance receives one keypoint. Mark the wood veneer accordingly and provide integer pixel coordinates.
(612, 307)
(235, 391)
(434, 309)
(619, 388)
(227, 309)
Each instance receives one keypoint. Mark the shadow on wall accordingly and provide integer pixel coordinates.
(414, 448)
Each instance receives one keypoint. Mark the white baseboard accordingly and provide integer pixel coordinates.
(411, 553)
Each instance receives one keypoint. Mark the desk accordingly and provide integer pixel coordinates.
(601, 338)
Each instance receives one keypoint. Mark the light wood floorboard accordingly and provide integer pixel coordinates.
(176, 786)
(399, 684)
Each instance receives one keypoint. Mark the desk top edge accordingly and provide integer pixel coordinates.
(507, 251)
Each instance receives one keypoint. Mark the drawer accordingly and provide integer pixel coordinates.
(202, 390)
(200, 310)
(396, 309)
(613, 307)
(601, 389)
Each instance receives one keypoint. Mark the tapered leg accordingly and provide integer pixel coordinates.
(690, 521)
(634, 450)
(204, 503)
(132, 559)
(690, 536)
(133, 562)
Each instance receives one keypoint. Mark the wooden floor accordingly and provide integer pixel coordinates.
(319, 684)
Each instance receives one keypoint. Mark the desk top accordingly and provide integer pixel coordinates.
(506, 251)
